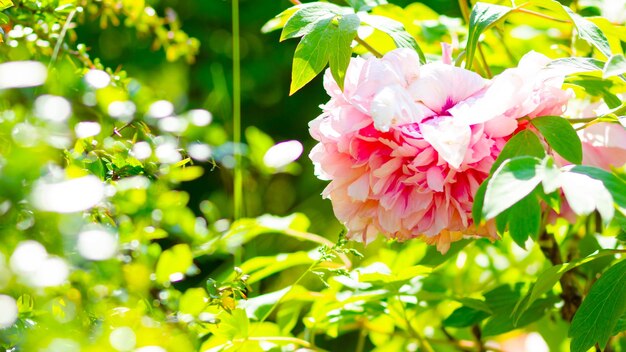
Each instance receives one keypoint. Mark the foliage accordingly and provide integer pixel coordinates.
(115, 207)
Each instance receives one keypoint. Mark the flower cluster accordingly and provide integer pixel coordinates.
(406, 146)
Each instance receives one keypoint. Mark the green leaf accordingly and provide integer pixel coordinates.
(288, 316)
(328, 40)
(398, 277)
(585, 194)
(615, 185)
(339, 58)
(483, 16)
(524, 219)
(395, 30)
(596, 86)
(5, 4)
(465, 316)
(615, 66)
(234, 325)
(193, 301)
(479, 201)
(514, 180)
(365, 5)
(599, 313)
(620, 326)
(587, 30)
(572, 65)
(590, 32)
(475, 304)
(561, 136)
(434, 258)
(551, 182)
(525, 143)
(184, 174)
(176, 260)
(280, 20)
(261, 267)
(303, 21)
(548, 278)
(502, 300)
(502, 322)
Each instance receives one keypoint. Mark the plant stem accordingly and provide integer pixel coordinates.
(570, 294)
(295, 2)
(484, 60)
(360, 345)
(298, 341)
(57, 47)
(369, 48)
(238, 176)
(537, 14)
(275, 305)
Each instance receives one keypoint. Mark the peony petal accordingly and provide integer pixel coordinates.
(449, 138)
(359, 189)
(442, 86)
(435, 179)
(392, 106)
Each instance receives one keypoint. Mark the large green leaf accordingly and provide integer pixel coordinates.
(525, 142)
(434, 258)
(395, 30)
(479, 202)
(365, 5)
(5, 4)
(328, 41)
(514, 180)
(615, 66)
(174, 263)
(303, 21)
(548, 278)
(465, 316)
(280, 20)
(585, 194)
(502, 300)
(483, 16)
(615, 185)
(590, 32)
(524, 219)
(572, 65)
(586, 29)
(561, 136)
(599, 313)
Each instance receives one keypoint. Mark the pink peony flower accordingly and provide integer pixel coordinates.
(604, 145)
(406, 147)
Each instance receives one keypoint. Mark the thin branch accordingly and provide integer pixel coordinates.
(66, 26)
(537, 14)
(369, 48)
(570, 293)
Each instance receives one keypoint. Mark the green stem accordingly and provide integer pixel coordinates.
(275, 305)
(238, 177)
(484, 60)
(537, 14)
(57, 47)
(360, 346)
(369, 48)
